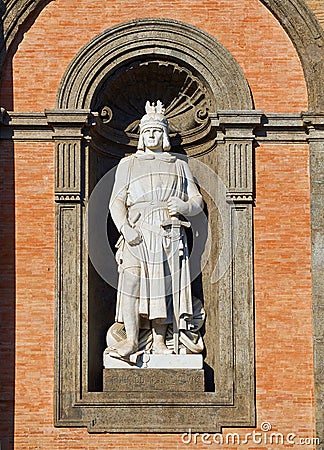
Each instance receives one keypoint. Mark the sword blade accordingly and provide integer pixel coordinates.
(175, 280)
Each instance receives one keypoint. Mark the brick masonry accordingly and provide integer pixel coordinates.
(284, 375)
(245, 28)
(317, 7)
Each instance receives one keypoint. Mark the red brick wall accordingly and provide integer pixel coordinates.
(282, 231)
(245, 28)
(283, 289)
(282, 296)
(317, 7)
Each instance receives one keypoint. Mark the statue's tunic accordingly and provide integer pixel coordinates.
(144, 183)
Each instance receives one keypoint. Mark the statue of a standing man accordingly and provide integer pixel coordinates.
(152, 188)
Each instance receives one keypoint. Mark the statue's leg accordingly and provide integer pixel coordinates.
(130, 310)
(159, 331)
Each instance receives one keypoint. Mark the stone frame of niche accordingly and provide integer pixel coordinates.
(232, 404)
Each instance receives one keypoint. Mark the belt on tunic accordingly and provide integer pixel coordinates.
(152, 204)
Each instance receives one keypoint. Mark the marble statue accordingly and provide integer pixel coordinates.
(154, 194)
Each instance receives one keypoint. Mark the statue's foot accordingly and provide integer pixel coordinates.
(161, 349)
(126, 348)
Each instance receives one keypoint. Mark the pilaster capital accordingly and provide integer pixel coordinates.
(68, 123)
(239, 125)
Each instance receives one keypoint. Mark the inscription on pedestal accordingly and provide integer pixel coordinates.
(153, 380)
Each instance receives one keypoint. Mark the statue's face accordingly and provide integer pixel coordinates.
(153, 138)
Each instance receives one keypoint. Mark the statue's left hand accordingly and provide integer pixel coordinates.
(131, 235)
(178, 206)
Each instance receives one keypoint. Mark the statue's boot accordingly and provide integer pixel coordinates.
(159, 332)
(127, 347)
(130, 316)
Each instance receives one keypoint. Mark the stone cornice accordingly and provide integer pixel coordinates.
(264, 127)
(281, 128)
(315, 126)
(36, 126)
(26, 126)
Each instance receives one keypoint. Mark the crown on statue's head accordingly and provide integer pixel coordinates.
(154, 116)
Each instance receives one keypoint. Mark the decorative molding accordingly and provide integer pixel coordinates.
(120, 103)
(67, 171)
(274, 127)
(68, 133)
(165, 39)
(238, 129)
(25, 127)
(281, 128)
(67, 198)
(68, 124)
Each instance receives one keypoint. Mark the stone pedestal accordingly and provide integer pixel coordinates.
(147, 373)
(148, 361)
(146, 380)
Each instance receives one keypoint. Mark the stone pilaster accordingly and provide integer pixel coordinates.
(315, 127)
(69, 193)
(238, 131)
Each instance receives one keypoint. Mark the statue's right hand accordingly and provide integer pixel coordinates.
(131, 235)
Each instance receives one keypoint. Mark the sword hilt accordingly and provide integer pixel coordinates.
(175, 222)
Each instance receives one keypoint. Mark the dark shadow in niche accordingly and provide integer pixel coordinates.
(7, 295)
(209, 378)
(198, 291)
(101, 295)
(102, 308)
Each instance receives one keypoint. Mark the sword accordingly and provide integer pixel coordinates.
(175, 225)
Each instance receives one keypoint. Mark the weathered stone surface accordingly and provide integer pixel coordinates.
(147, 380)
(315, 124)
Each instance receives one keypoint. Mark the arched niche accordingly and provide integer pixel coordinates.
(164, 38)
(210, 110)
(295, 16)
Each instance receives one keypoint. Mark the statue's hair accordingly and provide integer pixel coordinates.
(140, 145)
(166, 141)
